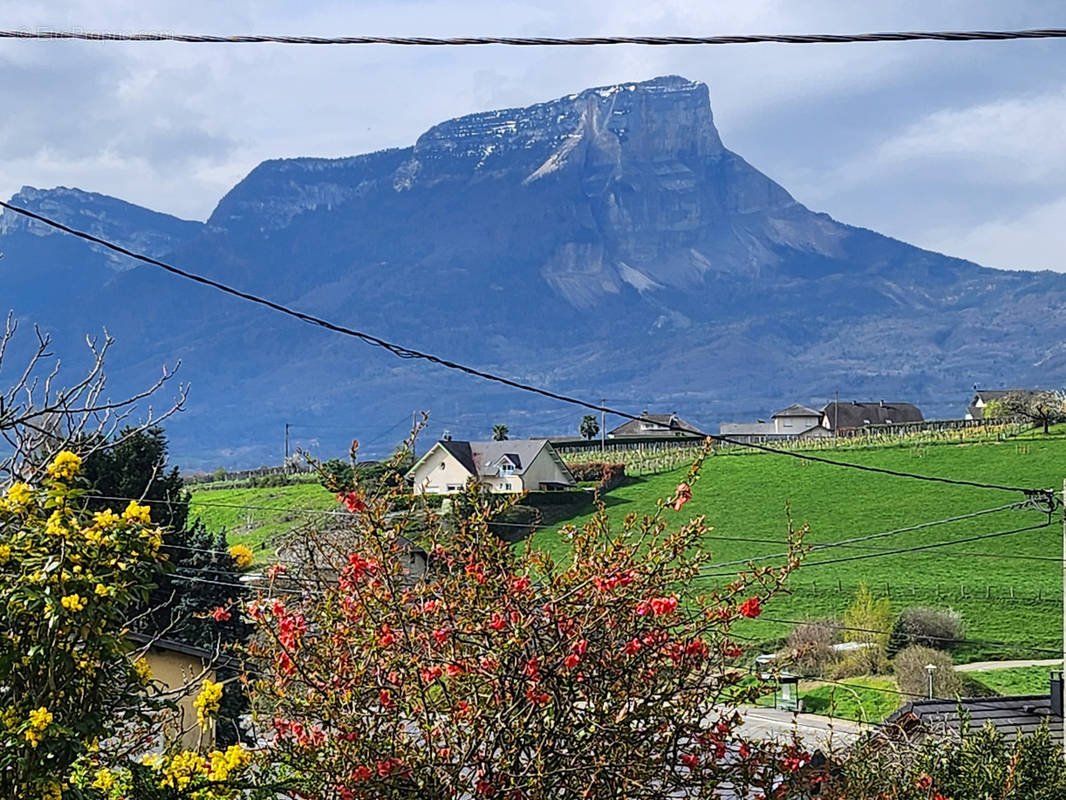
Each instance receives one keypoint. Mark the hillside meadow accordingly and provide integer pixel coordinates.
(1003, 599)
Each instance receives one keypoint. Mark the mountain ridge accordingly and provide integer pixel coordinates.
(605, 243)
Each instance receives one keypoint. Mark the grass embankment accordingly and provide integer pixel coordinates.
(1015, 680)
(1002, 599)
(253, 516)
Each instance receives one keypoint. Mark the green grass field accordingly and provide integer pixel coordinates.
(1015, 680)
(253, 516)
(1002, 599)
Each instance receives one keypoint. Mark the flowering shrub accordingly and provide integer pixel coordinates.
(505, 674)
(67, 581)
(242, 556)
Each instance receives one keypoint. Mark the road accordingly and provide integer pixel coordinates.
(813, 729)
(985, 666)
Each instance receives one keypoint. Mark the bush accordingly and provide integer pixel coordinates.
(811, 646)
(929, 627)
(607, 476)
(913, 678)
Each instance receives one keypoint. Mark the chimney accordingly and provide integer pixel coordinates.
(881, 403)
(1056, 693)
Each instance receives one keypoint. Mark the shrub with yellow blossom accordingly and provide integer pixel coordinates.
(242, 556)
(68, 581)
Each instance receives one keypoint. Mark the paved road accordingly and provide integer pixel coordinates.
(985, 666)
(815, 730)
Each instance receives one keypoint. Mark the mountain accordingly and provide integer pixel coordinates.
(605, 244)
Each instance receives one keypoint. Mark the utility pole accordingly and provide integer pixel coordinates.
(286, 442)
(836, 414)
(603, 424)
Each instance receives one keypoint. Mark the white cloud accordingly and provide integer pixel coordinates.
(1035, 239)
(1013, 139)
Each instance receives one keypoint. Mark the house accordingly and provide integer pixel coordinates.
(179, 670)
(794, 422)
(851, 416)
(656, 426)
(1019, 715)
(981, 398)
(507, 466)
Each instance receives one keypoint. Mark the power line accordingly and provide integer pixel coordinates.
(902, 550)
(405, 352)
(893, 532)
(546, 41)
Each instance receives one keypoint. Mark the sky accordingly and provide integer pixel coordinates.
(957, 147)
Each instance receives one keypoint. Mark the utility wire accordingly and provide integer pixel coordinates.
(894, 532)
(902, 550)
(404, 352)
(548, 41)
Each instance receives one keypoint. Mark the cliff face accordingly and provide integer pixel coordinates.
(604, 243)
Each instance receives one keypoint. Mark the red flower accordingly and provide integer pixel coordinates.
(520, 584)
(663, 605)
(684, 494)
(632, 646)
(690, 760)
(385, 698)
(274, 570)
(571, 661)
(386, 638)
(353, 501)
(497, 623)
(923, 782)
(533, 668)
(454, 670)
(751, 607)
(362, 773)
(221, 615)
(441, 635)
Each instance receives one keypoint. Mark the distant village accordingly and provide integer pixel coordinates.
(506, 466)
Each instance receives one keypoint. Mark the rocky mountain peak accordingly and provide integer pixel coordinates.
(132, 226)
(660, 119)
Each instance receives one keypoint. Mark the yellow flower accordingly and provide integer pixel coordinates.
(102, 590)
(73, 602)
(20, 496)
(65, 466)
(58, 524)
(5, 553)
(135, 512)
(105, 779)
(152, 760)
(207, 701)
(106, 519)
(181, 770)
(242, 555)
(144, 672)
(223, 765)
(93, 535)
(40, 718)
(51, 791)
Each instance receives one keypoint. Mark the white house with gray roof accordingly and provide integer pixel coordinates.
(506, 467)
(794, 422)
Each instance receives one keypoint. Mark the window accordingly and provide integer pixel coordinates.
(507, 486)
(443, 465)
(454, 487)
(506, 468)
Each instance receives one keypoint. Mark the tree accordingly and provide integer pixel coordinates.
(503, 673)
(69, 580)
(589, 427)
(869, 622)
(1042, 407)
(499, 432)
(40, 418)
